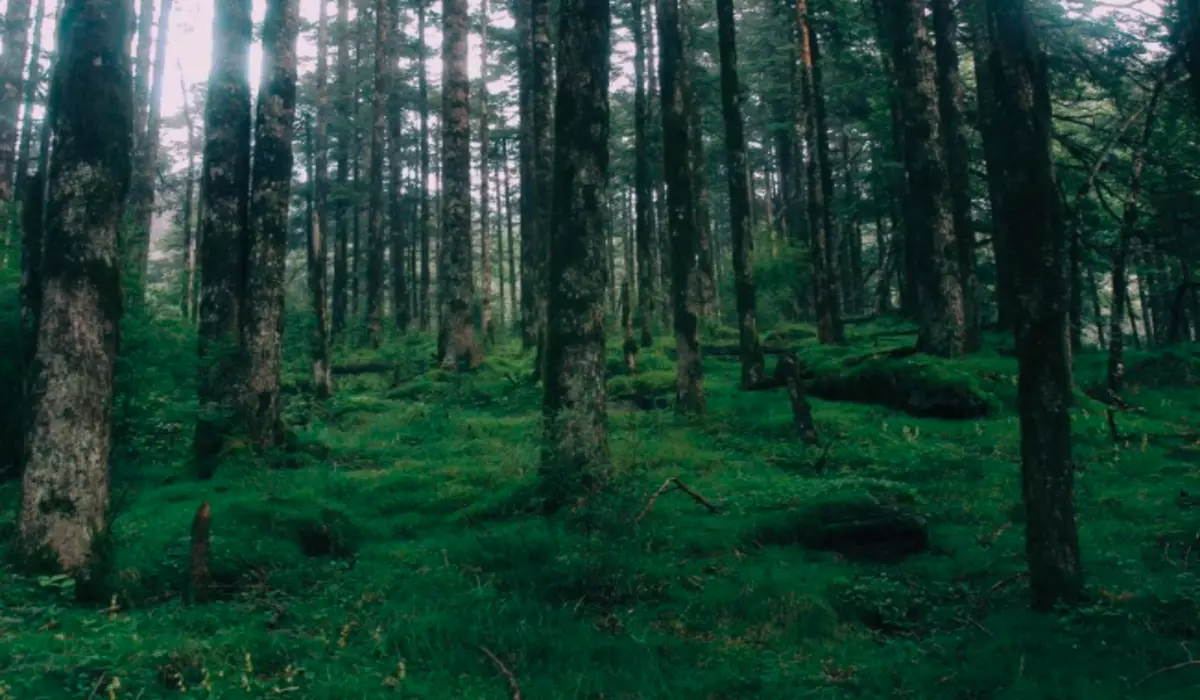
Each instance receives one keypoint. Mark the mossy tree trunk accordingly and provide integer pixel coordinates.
(1036, 232)
(648, 278)
(685, 273)
(543, 169)
(65, 494)
(318, 253)
(526, 167)
(345, 104)
(457, 343)
(928, 215)
(739, 198)
(270, 196)
(224, 191)
(824, 240)
(957, 155)
(376, 243)
(575, 458)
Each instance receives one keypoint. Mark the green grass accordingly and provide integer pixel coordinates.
(399, 546)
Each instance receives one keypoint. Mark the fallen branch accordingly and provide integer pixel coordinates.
(674, 484)
(1004, 582)
(1168, 669)
(512, 680)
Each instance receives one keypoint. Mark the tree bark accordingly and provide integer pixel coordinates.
(501, 277)
(543, 154)
(824, 241)
(526, 166)
(224, 203)
(706, 268)
(929, 217)
(318, 255)
(456, 332)
(189, 205)
(508, 209)
(1036, 232)
(957, 155)
(685, 282)
(32, 83)
(376, 243)
(12, 66)
(575, 457)
(485, 244)
(137, 243)
(648, 278)
(739, 199)
(65, 494)
(345, 107)
(400, 282)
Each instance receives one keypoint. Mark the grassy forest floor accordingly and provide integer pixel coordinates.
(392, 553)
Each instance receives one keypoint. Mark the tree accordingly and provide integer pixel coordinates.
(456, 329)
(224, 199)
(189, 192)
(400, 281)
(12, 65)
(526, 149)
(646, 245)
(928, 217)
(65, 494)
(685, 282)
(423, 73)
(345, 107)
(375, 238)
(575, 459)
(542, 97)
(318, 255)
(485, 262)
(32, 85)
(739, 199)
(1034, 217)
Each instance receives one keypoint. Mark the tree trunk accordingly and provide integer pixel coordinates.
(575, 459)
(501, 277)
(648, 278)
(957, 155)
(824, 243)
(137, 243)
(1036, 233)
(400, 315)
(224, 199)
(346, 101)
(456, 333)
(526, 165)
(706, 268)
(739, 199)
(318, 255)
(543, 154)
(12, 66)
(1120, 283)
(485, 244)
(654, 136)
(65, 495)
(270, 196)
(424, 315)
(685, 282)
(32, 83)
(189, 205)
(512, 262)
(929, 215)
(376, 243)
(991, 133)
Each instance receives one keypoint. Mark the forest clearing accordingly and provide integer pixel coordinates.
(600, 349)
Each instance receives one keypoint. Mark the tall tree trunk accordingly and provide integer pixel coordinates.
(376, 244)
(1098, 308)
(1189, 13)
(646, 249)
(345, 108)
(32, 84)
(65, 495)
(456, 333)
(485, 252)
(706, 268)
(189, 205)
(318, 255)
(685, 283)
(358, 108)
(990, 130)
(501, 248)
(396, 221)
(512, 262)
(824, 240)
(575, 459)
(543, 154)
(957, 155)
(270, 196)
(851, 267)
(929, 215)
(1036, 232)
(1120, 282)
(739, 199)
(137, 244)
(425, 224)
(662, 235)
(525, 156)
(224, 202)
(12, 67)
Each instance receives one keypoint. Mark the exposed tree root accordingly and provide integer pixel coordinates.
(674, 484)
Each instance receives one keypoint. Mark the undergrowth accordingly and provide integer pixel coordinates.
(398, 554)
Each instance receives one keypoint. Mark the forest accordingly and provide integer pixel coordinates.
(600, 349)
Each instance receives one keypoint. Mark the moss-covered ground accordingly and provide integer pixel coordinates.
(392, 552)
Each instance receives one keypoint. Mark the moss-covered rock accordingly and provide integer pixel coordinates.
(648, 390)
(921, 386)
